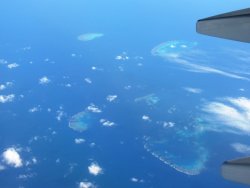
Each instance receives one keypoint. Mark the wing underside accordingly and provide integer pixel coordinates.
(233, 25)
(237, 170)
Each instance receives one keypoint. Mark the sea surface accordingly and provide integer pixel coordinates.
(119, 94)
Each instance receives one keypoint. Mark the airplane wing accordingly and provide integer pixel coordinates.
(237, 170)
(233, 25)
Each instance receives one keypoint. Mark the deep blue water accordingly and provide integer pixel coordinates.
(45, 33)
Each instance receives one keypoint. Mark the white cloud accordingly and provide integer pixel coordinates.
(107, 123)
(205, 69)
(60, 114)
(242, 103)
(85, 184)
(192, 60)
(118, 57)
(94, 68)
(11, 157)
(12, 65)
(121, 68)
(122, 57)
(241, 148)
(34, 160)
(35, 109)
(9, 84)
(44, 80)
(93, 108)
(128, 87)
(68, 85)
(168, 124)
(146, 118)
(4, 86)
(79, 140)
(70, 169)
(2, 61)
(6, 98)
(92, 144)
(25, 176)
(136, 180)
(193, 90)
(34, 139)
(111, 98)
(26, 48)
(172, 109)
(234, 114)
(89, 36)
(88, 80)
(138, 58)
(95, 169)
